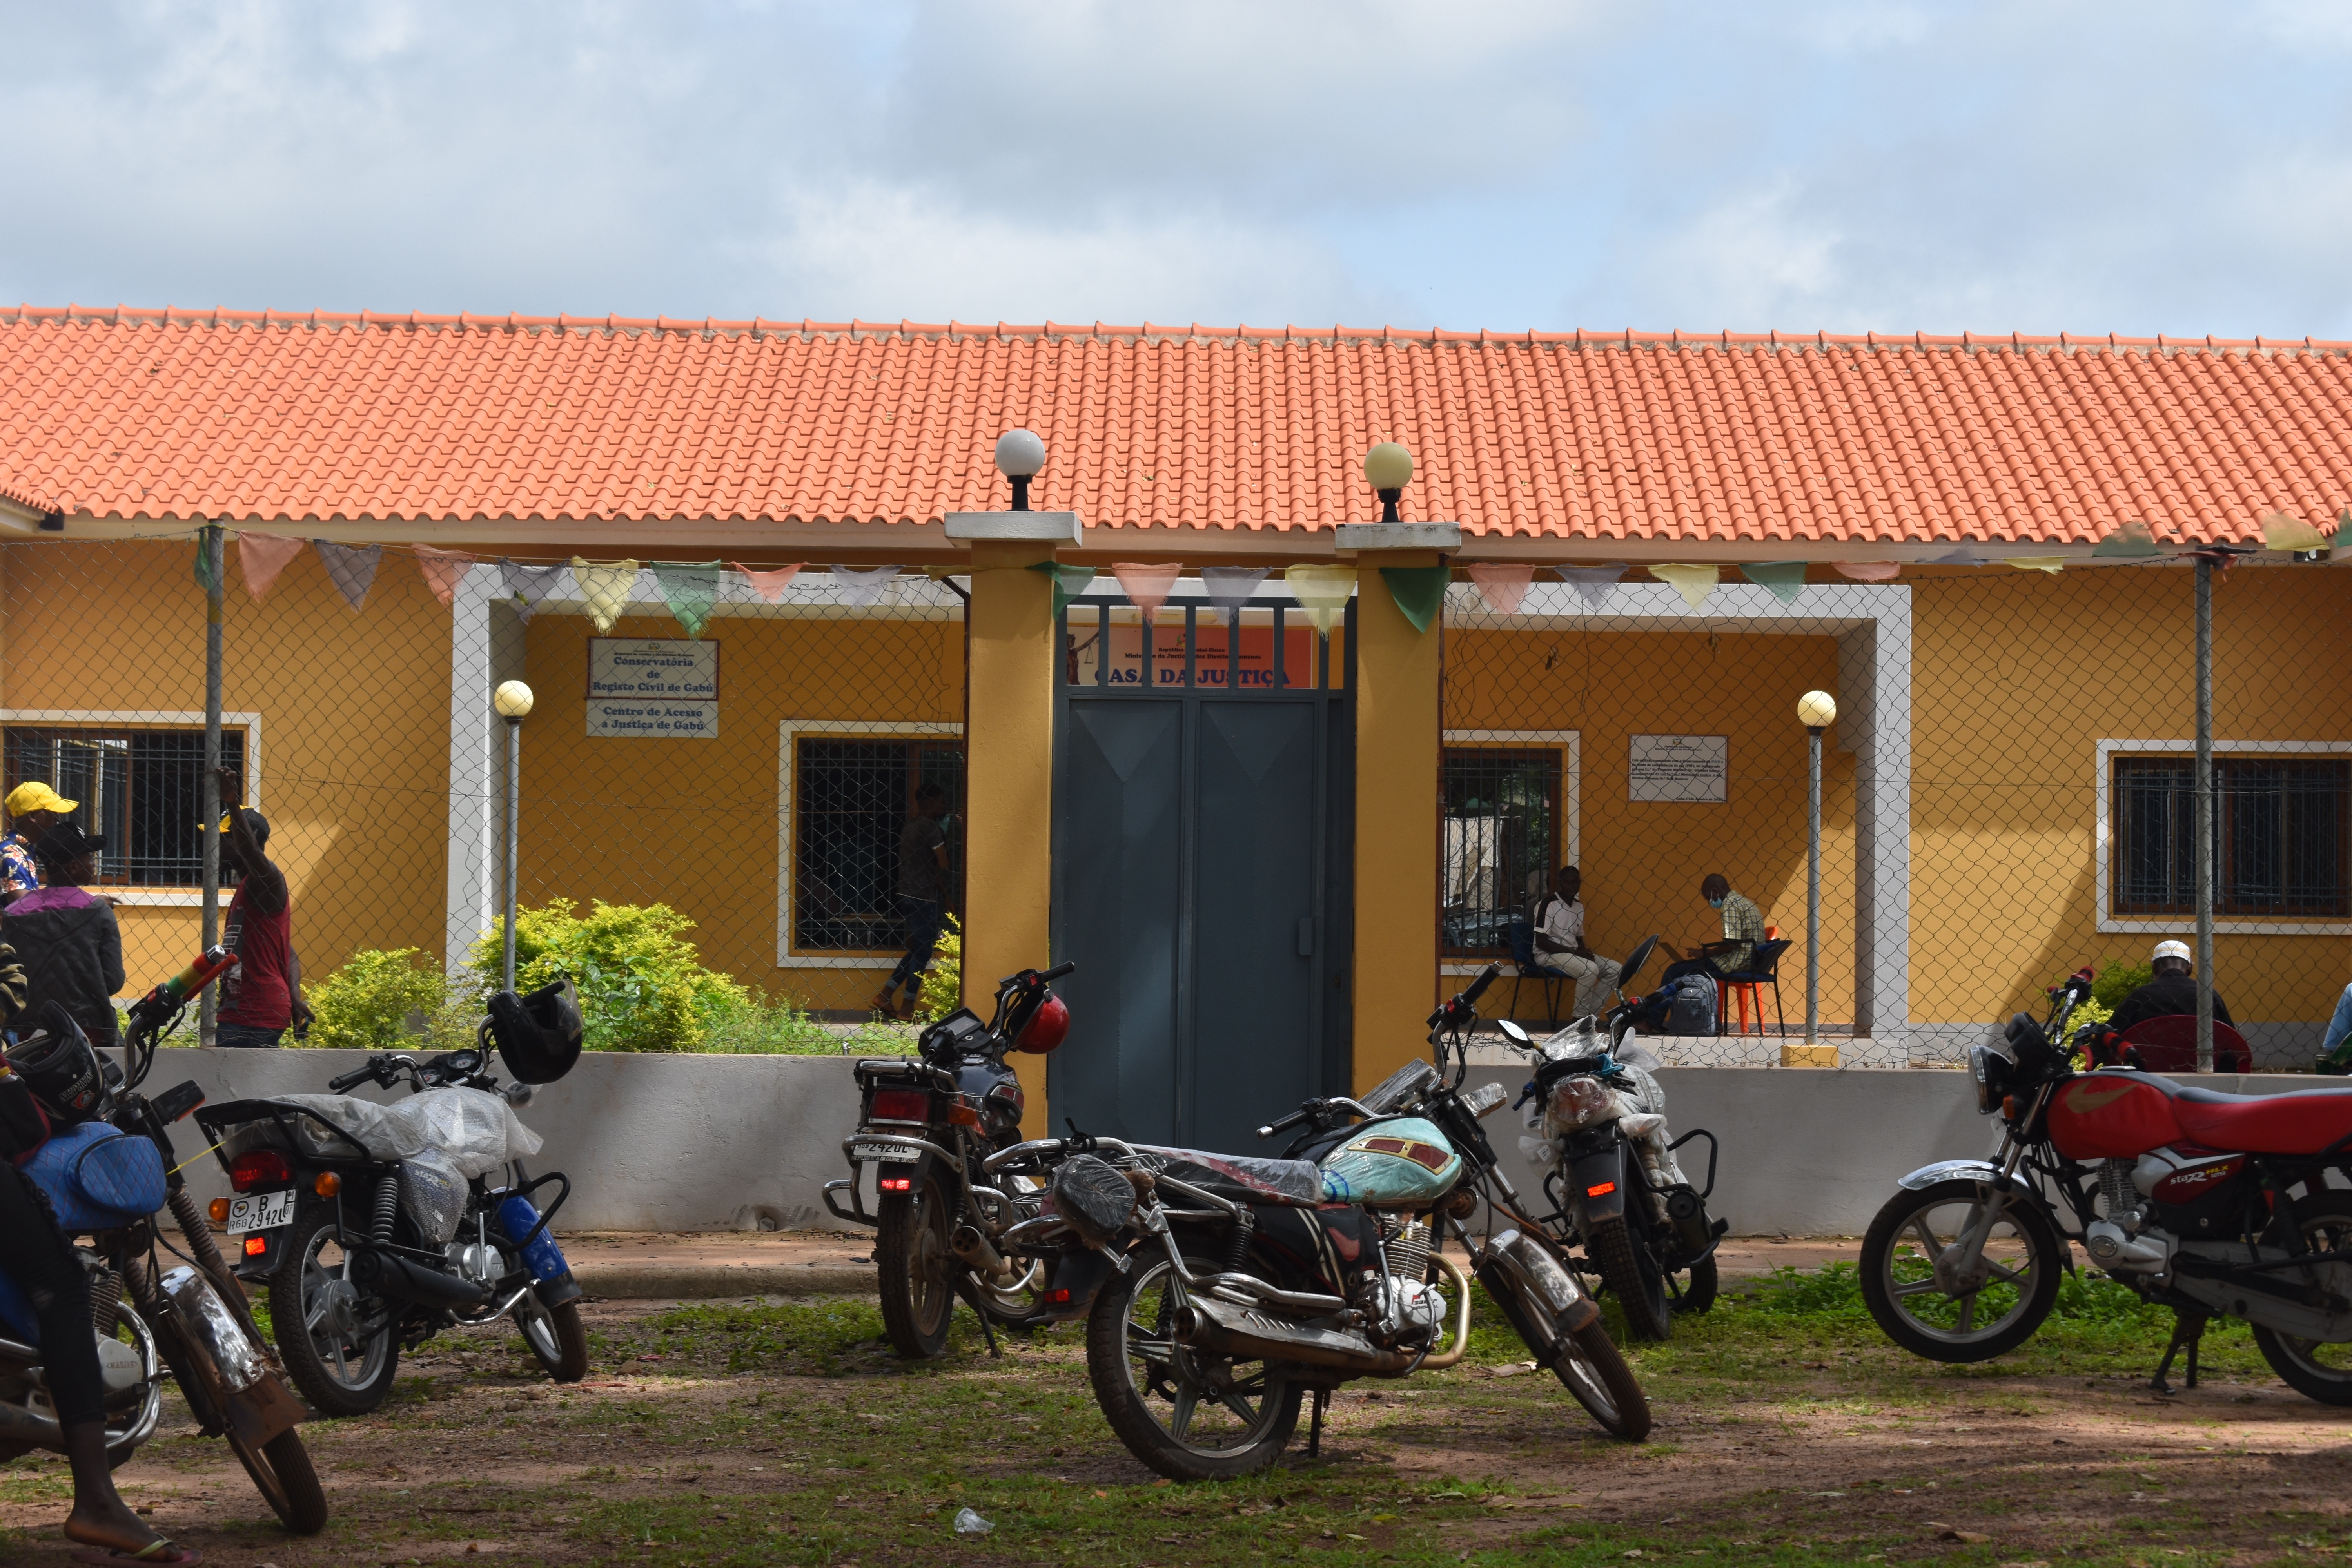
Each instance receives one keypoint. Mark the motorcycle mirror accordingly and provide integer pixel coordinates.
(1516, 1034)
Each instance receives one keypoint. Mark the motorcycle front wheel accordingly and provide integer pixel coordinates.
(2313, 1368)
(283, 1473)
(915, 1269)
(340, 1344)
(1632, 1277)
(1917, 1287)
(557, 1338)
(1189, 1416)
(1589, 1364)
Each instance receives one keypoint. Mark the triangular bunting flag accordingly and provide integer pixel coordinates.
(1146, 583)
(525, 587)
(350, 568)
(1869, 571)
(211, 560)
(690, 588)
(863, 589)
(1322, 592)
(2283, 533)
(1502, 585)
(442, 570)
(1419, 591)
(604, 589)
(2130, 542)
(1693, 583)
(1786, 579)
(1069, 582)
(1230, 588)
(769, 583)
(262, 556)
(2053, 564)
(1592, 584)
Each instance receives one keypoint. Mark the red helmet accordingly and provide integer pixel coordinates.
(1046, 1028)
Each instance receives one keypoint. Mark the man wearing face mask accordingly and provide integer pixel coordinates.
(1743, 928)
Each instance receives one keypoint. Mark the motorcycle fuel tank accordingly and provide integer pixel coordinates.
(1396, 1160)
(2112, 1114)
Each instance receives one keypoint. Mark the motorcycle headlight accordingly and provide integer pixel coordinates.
(1990, 1068)
(1478, 1101)
(1581, 1102)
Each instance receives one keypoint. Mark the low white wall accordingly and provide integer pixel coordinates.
(711, 1143)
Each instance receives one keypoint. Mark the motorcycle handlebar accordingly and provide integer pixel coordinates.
(338, 1085)
(1284, 1125)
(1057, 972)
(1478, 986)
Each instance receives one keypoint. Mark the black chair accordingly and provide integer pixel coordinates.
(1522, 936)
(1763, 969)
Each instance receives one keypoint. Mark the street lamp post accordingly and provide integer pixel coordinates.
(1816, 710)
(512, 700)
(1019, 455)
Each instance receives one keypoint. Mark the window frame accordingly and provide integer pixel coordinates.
(1569, 744)
(790, 733)
(2108, 846)
(249, 722)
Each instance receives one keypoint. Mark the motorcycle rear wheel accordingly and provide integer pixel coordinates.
(1899, 1280)
(1155, 1393)
(557, 1339)
(342, 1371)
(1632, 1277)
(915, 1269)
(283, 1473)
(1694, 1292)
(2313, 1368)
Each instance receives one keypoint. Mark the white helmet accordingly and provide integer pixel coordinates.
(2178, 950)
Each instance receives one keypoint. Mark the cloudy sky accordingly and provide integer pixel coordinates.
(2042, 166)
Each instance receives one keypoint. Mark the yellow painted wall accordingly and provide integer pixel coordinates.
(1643, 861)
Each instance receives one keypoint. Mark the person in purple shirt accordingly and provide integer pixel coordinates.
(67, 941)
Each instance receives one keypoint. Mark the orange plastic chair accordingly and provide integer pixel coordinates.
(1741, 992)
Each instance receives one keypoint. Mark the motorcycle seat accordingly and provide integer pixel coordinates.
(2301, 1122)
(1241, 1178)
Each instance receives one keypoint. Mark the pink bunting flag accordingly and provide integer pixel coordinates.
(442, 570)
(1148, 584)
(769, 584)
(1869, 571)
(1502, 585)
(262, 556)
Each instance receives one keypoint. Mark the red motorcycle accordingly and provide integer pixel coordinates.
(2214, 1205)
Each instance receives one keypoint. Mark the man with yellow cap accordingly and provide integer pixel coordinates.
(33, 809)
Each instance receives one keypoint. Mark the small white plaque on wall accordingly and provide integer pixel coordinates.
(1677, 767)
(614, 717)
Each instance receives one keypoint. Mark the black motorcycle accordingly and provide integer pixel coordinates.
(925, 1125)
(366, 1251)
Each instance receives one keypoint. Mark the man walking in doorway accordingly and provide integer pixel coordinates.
(261, 995)
(922, 899)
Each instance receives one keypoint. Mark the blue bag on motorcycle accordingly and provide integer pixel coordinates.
(96, 1176)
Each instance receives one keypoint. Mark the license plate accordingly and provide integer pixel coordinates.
(260, 1211)
(886, 1153)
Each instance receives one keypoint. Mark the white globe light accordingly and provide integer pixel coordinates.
(1816, 710)
(512, 700)
(1389, 467)
(1019, 454)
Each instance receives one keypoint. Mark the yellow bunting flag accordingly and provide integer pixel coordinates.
(1322, 592)
(1693, 583)
(2053, 564)
(604, 589)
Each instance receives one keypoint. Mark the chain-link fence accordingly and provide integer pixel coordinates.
(786, 781)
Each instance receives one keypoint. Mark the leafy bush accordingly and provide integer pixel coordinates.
(2117, 979)
(367, 1003)
(643, 986)
(759, 1027)
(943, 981)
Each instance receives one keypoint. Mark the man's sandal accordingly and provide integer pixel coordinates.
(156, 1551)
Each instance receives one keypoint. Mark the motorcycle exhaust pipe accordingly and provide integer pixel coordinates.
(1220, 1328)
(1687, 1214)
(967, 1242)
(389, 1274)
(19, 1424)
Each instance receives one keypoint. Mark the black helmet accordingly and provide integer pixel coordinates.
(537, 1034)
(56, 1060)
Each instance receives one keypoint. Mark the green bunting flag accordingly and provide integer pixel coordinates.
(211, 560)
(690, 589)
(1785, 578)
(1069, 582)
(2130, 542)
(1419, 591)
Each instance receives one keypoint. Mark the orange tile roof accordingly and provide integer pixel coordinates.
(1552, 437)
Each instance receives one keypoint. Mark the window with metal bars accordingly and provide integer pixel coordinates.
(852, 800)
(2279, 836)
(1501, 810)
(142, 790)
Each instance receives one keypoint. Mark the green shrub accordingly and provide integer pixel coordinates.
(755, 1026)
(366, 1005)
(2117, 979)
(643, 986)
(943, 981)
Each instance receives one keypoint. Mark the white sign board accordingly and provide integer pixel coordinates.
(671, 668)
(1676, 767)
(622, 718)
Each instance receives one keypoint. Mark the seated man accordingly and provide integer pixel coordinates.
(1743, 928)
(2173, 990)
(1559, 943)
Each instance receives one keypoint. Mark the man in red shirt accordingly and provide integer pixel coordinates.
(262, 994)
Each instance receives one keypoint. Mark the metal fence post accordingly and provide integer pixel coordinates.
(210, 542)
(2204, 806)
(1812, 894)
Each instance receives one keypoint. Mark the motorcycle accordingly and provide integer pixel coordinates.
(375, 1227)
(927, 1124)
(108, 1176)
(2214, 1204)
(1241, 1284)
(1615, 1187)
